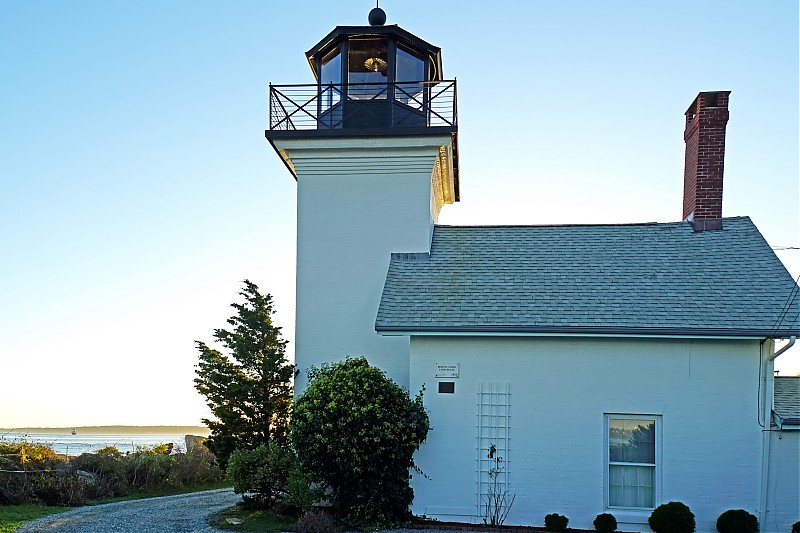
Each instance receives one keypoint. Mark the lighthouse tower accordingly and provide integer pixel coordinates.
(373, 147)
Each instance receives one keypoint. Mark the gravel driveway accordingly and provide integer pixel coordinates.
(167, 514)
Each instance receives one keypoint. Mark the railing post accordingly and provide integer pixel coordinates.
(319, 103)
(270, 109)
(455, 102)
(391, 93)
(426, 102)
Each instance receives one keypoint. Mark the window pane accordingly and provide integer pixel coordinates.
(409, 66)
(330, 91)
(367, 63)
(631, 486)
(632, 441)
(331, 71)
(410, 71)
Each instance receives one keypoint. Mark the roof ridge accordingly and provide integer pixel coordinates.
(620, 224)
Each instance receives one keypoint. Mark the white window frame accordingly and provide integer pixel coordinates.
(607, 461)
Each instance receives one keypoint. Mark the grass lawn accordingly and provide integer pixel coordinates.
(251, 520)
(13, 516)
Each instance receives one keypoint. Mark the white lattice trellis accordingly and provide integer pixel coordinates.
(494, 412)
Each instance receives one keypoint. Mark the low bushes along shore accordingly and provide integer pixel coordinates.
(33, 473)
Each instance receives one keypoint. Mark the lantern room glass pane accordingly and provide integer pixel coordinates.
(330, 87)
(410, 72)
(331, 70)
(367, 63)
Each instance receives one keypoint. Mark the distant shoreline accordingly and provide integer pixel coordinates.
(115, 430)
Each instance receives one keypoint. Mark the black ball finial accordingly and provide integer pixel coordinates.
(377, 17)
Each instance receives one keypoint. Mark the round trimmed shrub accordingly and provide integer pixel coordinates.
(555, 522)
(672, 517)
(355, 432)
(605, 523)
(737, 521)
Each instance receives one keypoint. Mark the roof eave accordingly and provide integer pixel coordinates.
(342, 32)
(786, 423)
(583, 331)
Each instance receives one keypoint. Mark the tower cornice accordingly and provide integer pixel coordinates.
(339, 156)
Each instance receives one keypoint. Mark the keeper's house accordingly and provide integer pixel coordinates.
(613, 367)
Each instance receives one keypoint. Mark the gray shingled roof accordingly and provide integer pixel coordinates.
(787, 399)
(637, 278)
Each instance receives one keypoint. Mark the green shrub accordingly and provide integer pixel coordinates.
(196, 466)
(148, 469)
(158, 449)
(105, 473)
(355, 432)
(555, 522)
(111, 452)
(737, 521)
(15, 489)
(301, 494)
(107, 465)
(263, 472)
(672, 517)
(796, 527)
(63, 490)
(605, 523)
(18, 455)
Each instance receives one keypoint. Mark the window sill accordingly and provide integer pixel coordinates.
(627, 515)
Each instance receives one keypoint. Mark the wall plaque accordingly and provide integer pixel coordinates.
(447, 370)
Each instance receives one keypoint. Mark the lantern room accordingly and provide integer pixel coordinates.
(378, 81)
(368, 77)
(374, 76)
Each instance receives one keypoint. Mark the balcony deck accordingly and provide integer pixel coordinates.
(355, 109)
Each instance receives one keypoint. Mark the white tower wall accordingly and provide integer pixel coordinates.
(358, 200)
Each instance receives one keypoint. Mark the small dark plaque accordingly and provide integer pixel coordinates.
(447, 387)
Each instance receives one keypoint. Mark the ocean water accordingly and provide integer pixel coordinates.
(78, 444)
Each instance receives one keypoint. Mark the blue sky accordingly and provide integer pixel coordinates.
(137, 189)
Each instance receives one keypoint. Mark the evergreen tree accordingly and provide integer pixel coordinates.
(249, 389)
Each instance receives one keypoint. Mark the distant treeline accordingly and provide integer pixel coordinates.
(117, 430)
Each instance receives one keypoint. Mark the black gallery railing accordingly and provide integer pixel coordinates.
(362, 105)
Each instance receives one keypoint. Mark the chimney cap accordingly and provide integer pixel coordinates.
(707, 97)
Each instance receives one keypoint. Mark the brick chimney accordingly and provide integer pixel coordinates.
(704, 135)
